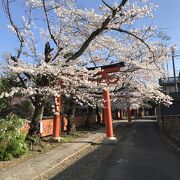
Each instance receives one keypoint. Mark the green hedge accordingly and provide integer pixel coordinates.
(12, 142)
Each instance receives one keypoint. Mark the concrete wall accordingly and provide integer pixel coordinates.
(169, 120)
(170, 124)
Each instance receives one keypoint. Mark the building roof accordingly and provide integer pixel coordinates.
(169, 81)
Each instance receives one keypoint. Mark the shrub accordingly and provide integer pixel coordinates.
(12, 142)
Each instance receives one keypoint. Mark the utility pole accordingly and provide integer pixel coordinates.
(174, 70)
(167, 86)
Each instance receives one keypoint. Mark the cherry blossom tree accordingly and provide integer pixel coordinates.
(61, 40)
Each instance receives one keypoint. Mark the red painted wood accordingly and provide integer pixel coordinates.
(108, 115)
(57, 125)
(46, 127)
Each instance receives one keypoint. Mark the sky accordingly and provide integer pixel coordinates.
(165, 17)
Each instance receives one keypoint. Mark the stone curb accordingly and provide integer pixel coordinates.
(45, 171)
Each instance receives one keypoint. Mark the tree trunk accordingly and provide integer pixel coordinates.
(89, 112)
(71, 123)
(37, 116)
(116, 114)
(98, 115)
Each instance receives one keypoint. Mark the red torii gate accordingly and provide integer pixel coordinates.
(128, 108)
(107, 115)
(105, 70)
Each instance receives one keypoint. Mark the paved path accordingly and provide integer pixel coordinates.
(141, 155)
(35, 167)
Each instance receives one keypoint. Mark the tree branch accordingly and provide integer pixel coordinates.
(133, 35)
(140, 39)
(96, 32)
(22, 81)
(19, 35)
(24, 85)
(47, 52)
(48, 25)
(107, 5)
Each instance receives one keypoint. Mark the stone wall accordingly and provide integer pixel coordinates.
(169, 120)
(171, 126)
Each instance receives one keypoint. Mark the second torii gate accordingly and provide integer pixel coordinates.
(128, 108)
(107, 115)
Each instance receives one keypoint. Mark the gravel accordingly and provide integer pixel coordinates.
(82, 165)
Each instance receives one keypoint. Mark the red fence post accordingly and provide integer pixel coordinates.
(110, 139)
(56, 124)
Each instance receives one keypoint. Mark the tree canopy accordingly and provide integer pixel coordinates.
(63, 40)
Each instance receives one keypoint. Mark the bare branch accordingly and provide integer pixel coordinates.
(6, 7)
(20, 37)
(48, 25)
(107, 5)
(146, 32)
(123, 2)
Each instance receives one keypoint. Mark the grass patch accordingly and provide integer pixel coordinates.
(67, 138)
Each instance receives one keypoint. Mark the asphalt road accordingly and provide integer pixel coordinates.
(141, 154)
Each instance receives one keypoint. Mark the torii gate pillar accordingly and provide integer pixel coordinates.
(56, 122)
(110, 139)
